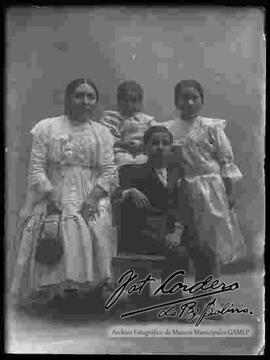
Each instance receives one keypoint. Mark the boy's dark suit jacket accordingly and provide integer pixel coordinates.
(163, 200)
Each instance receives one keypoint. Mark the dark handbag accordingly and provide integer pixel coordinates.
(50, 246)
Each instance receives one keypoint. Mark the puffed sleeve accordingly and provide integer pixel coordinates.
(37, 178)
(224, 154)
(112, 120)
(108, 179)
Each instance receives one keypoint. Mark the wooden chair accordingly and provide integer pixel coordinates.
(142, 263)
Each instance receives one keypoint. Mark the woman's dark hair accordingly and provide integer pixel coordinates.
(72, 86)
(187, 83)
(154, 129)
(127, 86)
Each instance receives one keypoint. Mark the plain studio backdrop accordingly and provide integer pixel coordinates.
(222, 48)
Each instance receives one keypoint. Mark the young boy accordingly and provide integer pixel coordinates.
(128, 124)
(151, 190)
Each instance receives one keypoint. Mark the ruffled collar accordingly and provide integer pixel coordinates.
(78, 126)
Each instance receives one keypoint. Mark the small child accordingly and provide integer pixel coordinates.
(128, 124)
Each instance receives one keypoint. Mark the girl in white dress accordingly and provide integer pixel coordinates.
(205, 155)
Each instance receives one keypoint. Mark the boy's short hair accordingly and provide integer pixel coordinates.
(154, 129)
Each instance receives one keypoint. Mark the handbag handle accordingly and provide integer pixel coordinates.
(52, 210)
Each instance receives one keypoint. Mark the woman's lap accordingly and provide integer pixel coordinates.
(77, 266)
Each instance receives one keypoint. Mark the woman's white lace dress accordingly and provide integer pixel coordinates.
(72, 160)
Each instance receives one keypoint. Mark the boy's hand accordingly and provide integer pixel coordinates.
(140, 159)
(137, 197)
(174, 239)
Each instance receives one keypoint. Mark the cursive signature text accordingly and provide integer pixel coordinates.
(207, 287)
(192, 312)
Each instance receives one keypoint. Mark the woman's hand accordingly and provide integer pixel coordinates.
(88, 211)
(93, 199)
(139, 199)
(90, 207)
(53, 198)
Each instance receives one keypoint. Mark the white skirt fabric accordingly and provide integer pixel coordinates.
(85, 264)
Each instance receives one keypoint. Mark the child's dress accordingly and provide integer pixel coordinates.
(206, 156)
(128, 134)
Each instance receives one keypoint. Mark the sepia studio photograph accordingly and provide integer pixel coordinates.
(135, 211)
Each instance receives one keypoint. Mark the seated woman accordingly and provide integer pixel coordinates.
(71, 170)
(151, 190)
(128, 124)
